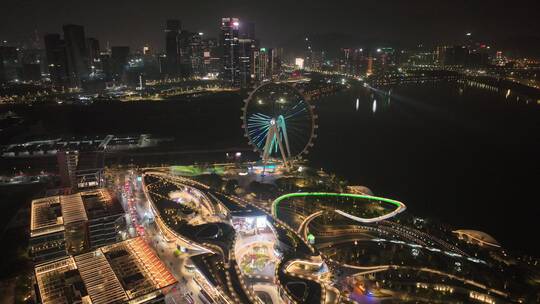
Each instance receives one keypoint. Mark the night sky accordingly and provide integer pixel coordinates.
(136, 22)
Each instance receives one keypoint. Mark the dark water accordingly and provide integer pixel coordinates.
(470, 159)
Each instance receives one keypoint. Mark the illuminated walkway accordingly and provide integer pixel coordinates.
(400, 207)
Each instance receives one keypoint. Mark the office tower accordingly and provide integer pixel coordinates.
(456, 55)
(211, 57)
(55, 52)
(316, 60)
(172, 47)
(359, 62)
(77, 54)
(11, 64)
(245, 60)
(162, 63)
(31, 72)
(119, 61)
(2, 70)
(195, 54)
(440, 53)
(369, 68)
(80, 170)
(93, 49)
(231, 50)
(261, 65)
(274, 61)
(67, 166)
(9, 56)
(105, 65)
(351, 61)
(93, 54)
(32, 60)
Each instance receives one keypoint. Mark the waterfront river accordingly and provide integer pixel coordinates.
(466, 155)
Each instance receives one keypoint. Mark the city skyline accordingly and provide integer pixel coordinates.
(138, 23)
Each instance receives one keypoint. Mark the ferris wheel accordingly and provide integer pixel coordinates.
(279, 123)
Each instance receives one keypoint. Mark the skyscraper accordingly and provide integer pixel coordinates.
(261, 65)
(211, 57)
(274, 61)
(196, 54)
(93, 50)
(9, 55)
(55, 51)
(119, 60)
(172, 47)
(231, 50)
(245, 59)
(77, 54)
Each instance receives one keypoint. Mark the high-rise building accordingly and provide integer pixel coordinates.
(231, 50)
(192, 54)
(77, 54)
(9, 55)
(172, 47)
(369, 68)
(440, 53)
(2, 70)
(93, 56)
(93, 49)
(261, 65)
(31, 63)
(211, 57)
(456, 55)
(245, 59)
(67, 165)
(80, 170)
(31, 72)
(105, 65)
(119, 61)
(274, 61)
(55, 52)
(316, 60)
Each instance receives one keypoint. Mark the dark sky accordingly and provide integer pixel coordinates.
(135, 22)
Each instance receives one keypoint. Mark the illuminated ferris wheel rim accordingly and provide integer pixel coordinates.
(310, 108)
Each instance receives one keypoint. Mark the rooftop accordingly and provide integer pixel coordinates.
(112, 274)
(99, 203)
(46, 216)
(60, 282)
(50, 214)
(72, 208)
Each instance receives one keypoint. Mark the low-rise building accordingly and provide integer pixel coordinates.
(125, 272)
(71, 224)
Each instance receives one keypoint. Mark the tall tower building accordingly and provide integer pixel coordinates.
(245, 59)
(274, 61)
(231, 50)
(77, 54)
(119, 60)
(9, 55)
(55, 52)
(196, 54)
(172, 47)
(261, 65)
(93, 51)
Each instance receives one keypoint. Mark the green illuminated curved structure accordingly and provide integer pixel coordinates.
(400, 207)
